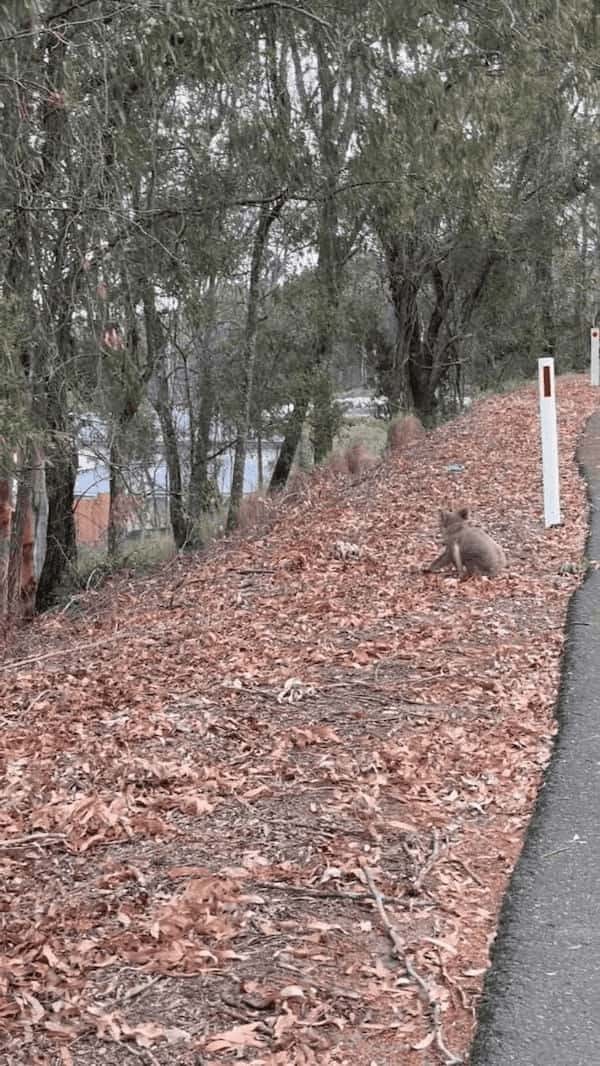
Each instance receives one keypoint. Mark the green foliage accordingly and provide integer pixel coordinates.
(441, 225)
(94, 566)
(372, 432)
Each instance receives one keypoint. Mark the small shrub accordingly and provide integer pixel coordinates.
(370, 432)
(403, 432)
(94, 566)
(353, 459)
(359, 459)
(255, 510)
(210, 525)
(335, 463)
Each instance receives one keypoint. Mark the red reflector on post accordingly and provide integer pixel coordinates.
(547, 384)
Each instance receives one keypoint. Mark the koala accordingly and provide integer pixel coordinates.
(469, 548)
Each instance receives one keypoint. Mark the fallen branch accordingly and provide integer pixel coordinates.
(467, 869)
(37, 699)
(31, 838)
(140, 990)
(430, 862)
(320, 893)
(309, 980)
(257, 570)
(75, 649)
(428, 998)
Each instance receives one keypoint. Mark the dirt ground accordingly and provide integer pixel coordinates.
(263, 805)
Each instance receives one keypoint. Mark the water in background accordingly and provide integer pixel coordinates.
(93, 480)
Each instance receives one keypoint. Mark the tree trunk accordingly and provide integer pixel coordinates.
(404, 380)
(40, 512)
(259, 461)
(5, 531)
(117, 496)
(203, 493)
(267, 216)
(28, 581)
(582, 325)
(21, 578)
(339, 86)
(422, 392)
(547, 317)
(177, 516)
(61, 542)
(324, 421)
(289, 445)
(134, 377)
(426, 354)
(155, 344)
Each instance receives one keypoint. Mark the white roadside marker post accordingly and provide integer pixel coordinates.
(595, 355)
(549, 442)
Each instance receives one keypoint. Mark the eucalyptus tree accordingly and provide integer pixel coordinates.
(168, 171)
(84, 92)
(467, 142)
(41, 190)
(330, 55)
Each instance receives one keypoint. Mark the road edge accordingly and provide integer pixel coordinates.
(497, 1042)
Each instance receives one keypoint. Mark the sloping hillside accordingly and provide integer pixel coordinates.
(263, 806)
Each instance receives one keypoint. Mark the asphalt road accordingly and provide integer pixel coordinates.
(541, 1002)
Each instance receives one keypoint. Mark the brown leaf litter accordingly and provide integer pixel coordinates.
(263, 805)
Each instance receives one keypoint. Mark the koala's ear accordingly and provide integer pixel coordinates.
(464, 513)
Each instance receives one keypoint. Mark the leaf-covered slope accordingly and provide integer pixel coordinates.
(266, 804)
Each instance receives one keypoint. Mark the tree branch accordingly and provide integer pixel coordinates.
(260, 5)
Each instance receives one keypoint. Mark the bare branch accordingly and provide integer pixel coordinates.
(57, 24)
(244, 9)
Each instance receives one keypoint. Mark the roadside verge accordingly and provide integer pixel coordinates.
(542, 994)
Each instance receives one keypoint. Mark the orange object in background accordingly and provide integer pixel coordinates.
(91, 519)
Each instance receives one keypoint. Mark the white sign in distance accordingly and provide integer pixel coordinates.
(595, 355)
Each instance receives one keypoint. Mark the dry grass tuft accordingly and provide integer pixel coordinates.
(359, 459)
(256, 509)
(403, 432)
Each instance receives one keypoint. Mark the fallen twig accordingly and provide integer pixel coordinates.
(431, 861)
(257, 570)
(311, 982)
(389, 928)
(320, 893)
(141, 989)
(36, 699)
(73, 601)
(430, 1001)
(31, 838)
(467, 869)
(74, 648)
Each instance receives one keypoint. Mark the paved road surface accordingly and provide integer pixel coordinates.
(541, 1004)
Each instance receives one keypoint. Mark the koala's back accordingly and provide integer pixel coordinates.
(479, 553)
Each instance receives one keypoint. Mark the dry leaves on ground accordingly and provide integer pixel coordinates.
(263, 805)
